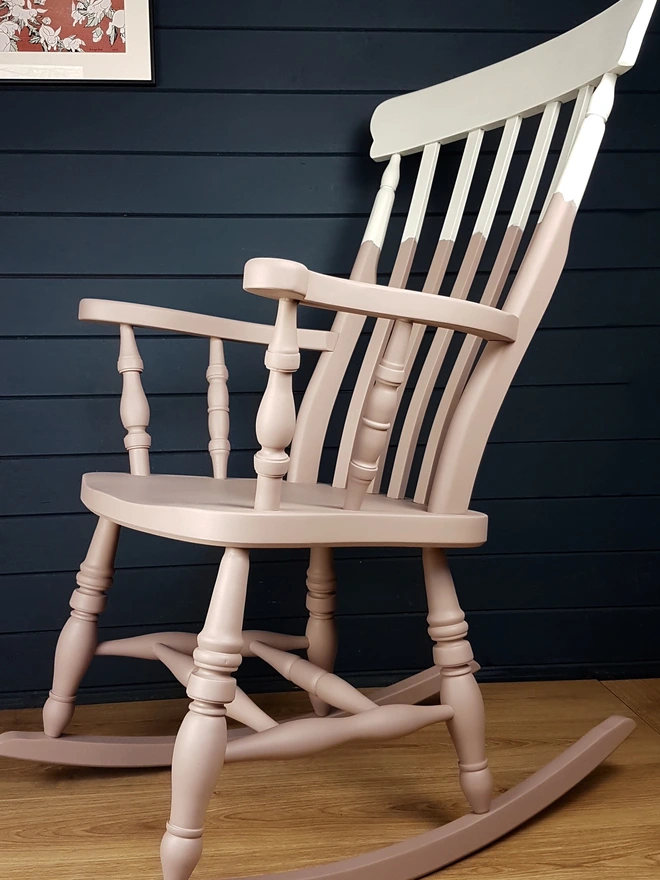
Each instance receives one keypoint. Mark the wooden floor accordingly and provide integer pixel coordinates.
(73, 824)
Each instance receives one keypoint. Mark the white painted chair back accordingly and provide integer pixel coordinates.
(579, 68)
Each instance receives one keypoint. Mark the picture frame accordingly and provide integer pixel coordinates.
(76, 41)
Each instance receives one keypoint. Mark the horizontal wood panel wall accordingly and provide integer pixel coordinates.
(254, 142)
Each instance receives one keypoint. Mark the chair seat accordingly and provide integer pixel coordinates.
(203, 510)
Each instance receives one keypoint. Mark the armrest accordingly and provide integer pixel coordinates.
(156, 318)
(284, 278)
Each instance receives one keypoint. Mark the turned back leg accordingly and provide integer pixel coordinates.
(79, 637)
(321, 629)
(458, 689)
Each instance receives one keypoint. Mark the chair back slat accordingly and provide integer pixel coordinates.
(420, 197)
(456, 207)
(461, 288)
(491, 295)
(532, 177)
(438, 268)
(383, 327)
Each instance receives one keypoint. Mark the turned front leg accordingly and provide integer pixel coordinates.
(321, 629)
(201, 743)
(458, 688)
(79, 637)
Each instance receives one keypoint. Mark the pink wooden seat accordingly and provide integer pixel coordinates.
(207, 511)
(412, 492)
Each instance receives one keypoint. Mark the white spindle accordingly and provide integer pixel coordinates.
(535, 166)
(497, 177)
(456, 207)
(134, 407)
(421, 193)
(382, 207)
(575, 176)
(218, 409)
(580, 108)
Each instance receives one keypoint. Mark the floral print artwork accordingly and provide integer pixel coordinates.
(62, 26)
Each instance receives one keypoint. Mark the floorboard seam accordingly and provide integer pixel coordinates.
(637, 713)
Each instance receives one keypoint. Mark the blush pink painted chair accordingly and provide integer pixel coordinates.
(580, 68)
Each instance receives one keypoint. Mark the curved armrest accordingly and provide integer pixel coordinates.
(284, 278)
(156, 318)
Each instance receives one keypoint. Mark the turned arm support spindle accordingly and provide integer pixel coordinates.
(276, 419)
(379, 409)
(134, 407)
(218, 409)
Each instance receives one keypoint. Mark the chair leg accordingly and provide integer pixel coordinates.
(321, 629)
(79, 637)
(458, 688)
(199, 751)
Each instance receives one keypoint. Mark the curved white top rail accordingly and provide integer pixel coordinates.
(518, 86)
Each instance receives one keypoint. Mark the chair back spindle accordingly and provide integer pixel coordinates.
(530, 294)
(440, 262)
(460, 290)
(491, 295)
(383, 326)
(323, 387)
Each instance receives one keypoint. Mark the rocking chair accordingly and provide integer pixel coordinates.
(581, 68)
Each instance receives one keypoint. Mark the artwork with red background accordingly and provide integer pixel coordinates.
(62, 26)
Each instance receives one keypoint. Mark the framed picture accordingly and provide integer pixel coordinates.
(72, 40)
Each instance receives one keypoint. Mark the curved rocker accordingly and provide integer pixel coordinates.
(436, 849)
(408, 860)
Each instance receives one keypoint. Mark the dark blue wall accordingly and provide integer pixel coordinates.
(255, 142)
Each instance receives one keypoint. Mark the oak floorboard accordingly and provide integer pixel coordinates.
(641, 696)
(81, 824)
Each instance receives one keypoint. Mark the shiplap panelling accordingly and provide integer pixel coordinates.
(159, 195)
(261, 123)
(214, 246)
(383, 15)
(46, 306)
